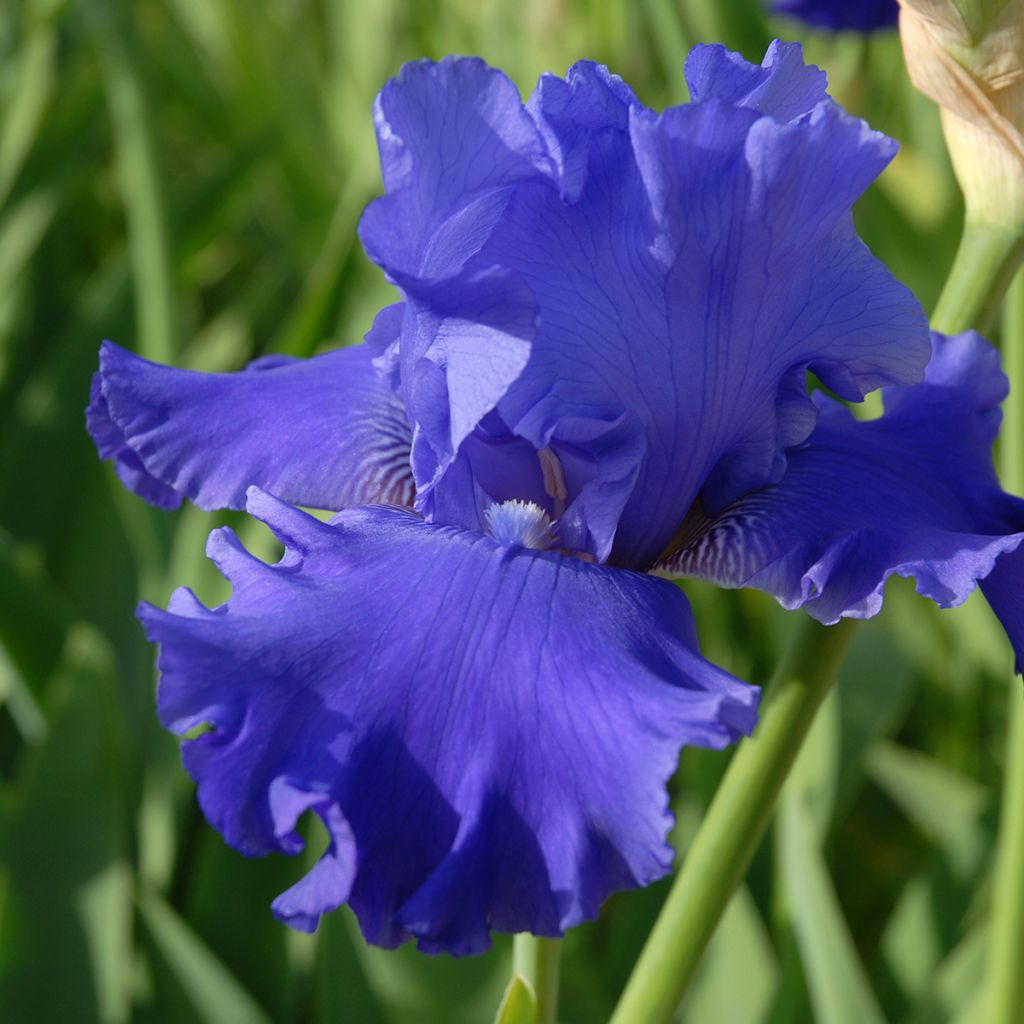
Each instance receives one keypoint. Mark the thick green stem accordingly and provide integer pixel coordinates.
(140, 179)
(984, 266)
(735, 823)
(1006, 936)
(536, 960)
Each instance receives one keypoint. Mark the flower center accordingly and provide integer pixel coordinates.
(520, 524)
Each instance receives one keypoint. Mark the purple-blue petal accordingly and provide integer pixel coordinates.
(837, 15)
(912, 493)
(570, 111)
(454, 138)
(326, 432)
(486, 732)
(1004, 592)
(111, 445)
(782, 85)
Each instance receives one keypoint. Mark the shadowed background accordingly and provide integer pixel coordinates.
(185, 178)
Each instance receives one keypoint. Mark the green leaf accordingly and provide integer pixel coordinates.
(213, 992)
(340, 988)
(815, 773)
(65, 938)
(417, 989)
(17, 697)
(741, 938)
(912, 941)
(944, 804)
(519, 1004)
(836, 981)
(33, 618)
(21, 230)
(955, 990)
(874, 703)
(141, 175)
(670, 41)
(30, 89)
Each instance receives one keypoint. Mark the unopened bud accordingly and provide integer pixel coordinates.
(968, 56)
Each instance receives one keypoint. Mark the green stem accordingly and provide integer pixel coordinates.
(734, 825)
(1006, 937)
(536, 960)
(984, 266)
(139, 174)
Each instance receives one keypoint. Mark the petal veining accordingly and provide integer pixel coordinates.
(326, 432)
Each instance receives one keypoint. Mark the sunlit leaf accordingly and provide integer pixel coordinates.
(214, 994)
(946, 805)
(741, 938)
(67, 922)
(836, 980)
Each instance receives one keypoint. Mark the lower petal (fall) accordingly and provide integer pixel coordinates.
(486, 731)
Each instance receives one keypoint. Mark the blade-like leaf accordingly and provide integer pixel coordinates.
(741, 938)
(214, 993)
(30, 90)
(67, 923)
(838, 986)
(945, 805)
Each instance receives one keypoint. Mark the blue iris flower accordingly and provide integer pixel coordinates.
(837, 15)
(598, 369)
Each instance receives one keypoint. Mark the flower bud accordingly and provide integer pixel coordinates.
(968, 56)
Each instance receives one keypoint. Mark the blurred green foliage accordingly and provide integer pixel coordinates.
(185, 177)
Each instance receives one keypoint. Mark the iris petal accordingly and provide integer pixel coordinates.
(782, 85)
(570, 111)
(837, 15)
(487, 732)
(453, 139)
(912, 493)
(325, 432)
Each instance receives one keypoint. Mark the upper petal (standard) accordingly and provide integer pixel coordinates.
(679, 272)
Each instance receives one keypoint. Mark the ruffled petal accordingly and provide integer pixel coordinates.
(782, 85)
(912, 493)
(110, 443)
(569, 111)
(680, 272)
(486, 731)
(325, 432)
(464, 341)
(454, 139)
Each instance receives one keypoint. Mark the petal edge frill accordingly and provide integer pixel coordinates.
(487, 731)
